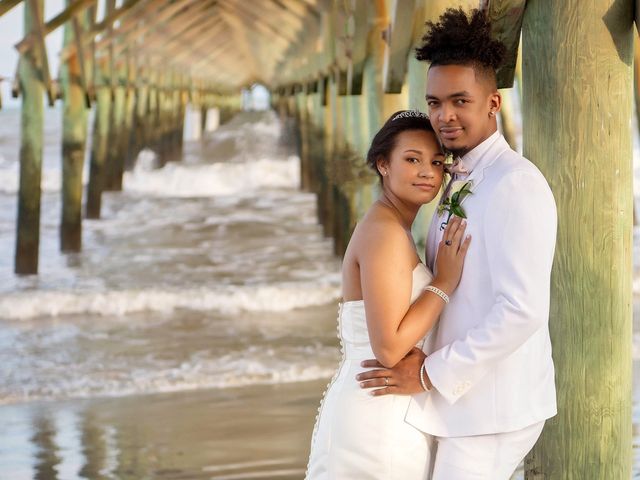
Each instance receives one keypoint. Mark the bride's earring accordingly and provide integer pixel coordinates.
(492, 113)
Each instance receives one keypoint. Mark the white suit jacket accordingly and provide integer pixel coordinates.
(490, 357)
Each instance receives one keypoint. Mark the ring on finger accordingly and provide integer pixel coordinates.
(448, 243)
(386, 381)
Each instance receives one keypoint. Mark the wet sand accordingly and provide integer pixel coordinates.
(242, 433)
(254, 432)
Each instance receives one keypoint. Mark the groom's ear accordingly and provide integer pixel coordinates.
(495, 101)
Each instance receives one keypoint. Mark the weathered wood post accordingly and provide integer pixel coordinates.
(32, 115)
(141, 112)
(636, 78)
(128, 142)
(577, 59)
(74, 138)
(302, 108)
(100, 139)
(115, 150)
(507, 124)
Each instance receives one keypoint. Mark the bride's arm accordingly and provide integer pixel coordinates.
(386, 266)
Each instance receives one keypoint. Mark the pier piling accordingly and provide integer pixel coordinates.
(32, 117)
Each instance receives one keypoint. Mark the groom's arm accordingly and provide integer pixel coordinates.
(520, 232)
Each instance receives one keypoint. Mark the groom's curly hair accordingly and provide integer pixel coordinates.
(461, 39)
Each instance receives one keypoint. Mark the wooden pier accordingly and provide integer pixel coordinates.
(335, 70)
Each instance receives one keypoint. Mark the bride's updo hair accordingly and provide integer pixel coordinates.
(385, 140)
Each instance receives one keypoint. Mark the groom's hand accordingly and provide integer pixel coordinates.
(402, 379)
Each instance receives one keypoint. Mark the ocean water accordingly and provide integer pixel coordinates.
(208, 273)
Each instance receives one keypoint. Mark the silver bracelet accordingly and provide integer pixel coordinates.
(422, 382)
(438, 292)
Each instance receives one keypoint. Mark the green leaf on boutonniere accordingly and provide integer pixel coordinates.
(458, 211)
(452, 203)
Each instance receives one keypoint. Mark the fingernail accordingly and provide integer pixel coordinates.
(362, 384)
(372, 393)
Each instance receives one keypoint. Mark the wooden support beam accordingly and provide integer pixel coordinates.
(32, 122)
(575, 119)
(130, 22)
(398, 43)
(114, 166)
(37, 13)
(358, 45)
(79, 58)
(196, 40)
(74, 138)
(506, 23)
(99, 27)
(244, 48)
(6, 5)
(164, 32)
(100, 139)
(72, 9)
(157, 31)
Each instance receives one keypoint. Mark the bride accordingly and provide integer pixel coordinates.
(391, 301)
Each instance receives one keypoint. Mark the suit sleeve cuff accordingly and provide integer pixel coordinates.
(443, 381)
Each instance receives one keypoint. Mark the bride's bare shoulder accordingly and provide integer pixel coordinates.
(380, 228)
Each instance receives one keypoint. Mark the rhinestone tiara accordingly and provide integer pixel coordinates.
(411, 114)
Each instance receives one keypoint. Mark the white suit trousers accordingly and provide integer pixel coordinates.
(483, 457)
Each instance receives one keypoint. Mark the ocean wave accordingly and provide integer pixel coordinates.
(183, 180)
(226, 299)
(51, 179)
(254, 366)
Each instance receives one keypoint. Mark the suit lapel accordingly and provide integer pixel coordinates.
(477, 176)
(491, 155)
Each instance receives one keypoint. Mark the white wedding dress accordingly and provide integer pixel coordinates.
(358, 436)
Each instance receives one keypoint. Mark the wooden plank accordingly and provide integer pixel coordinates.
(506, 21)
(575, 119)
(398, 41)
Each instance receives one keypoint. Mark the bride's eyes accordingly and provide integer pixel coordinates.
(413, 160)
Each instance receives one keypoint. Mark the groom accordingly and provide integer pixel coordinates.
(488, 371)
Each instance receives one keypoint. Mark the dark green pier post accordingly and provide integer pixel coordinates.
(74, 137)
(32, 116)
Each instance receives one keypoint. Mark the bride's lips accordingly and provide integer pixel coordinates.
(427, 187)
(451, 133)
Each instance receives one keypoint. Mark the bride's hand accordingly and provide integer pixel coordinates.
(451, 253)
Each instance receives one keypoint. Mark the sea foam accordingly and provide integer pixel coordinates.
(226, 299)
